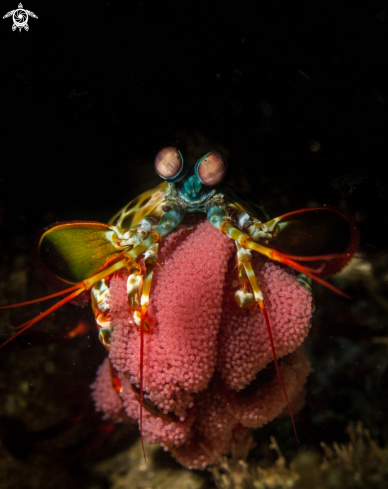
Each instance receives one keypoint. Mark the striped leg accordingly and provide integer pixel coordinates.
(244, 296)
(100, 307)
(218, 216)
(245, 262)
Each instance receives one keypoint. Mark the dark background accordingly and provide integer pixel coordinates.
(294, 94)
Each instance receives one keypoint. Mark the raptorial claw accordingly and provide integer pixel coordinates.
(136, 235)
(253, 227)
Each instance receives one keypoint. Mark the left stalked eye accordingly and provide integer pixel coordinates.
(169, 164)
(211, 170)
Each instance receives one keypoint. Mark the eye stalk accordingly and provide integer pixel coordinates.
(169, 164)
(211, 169)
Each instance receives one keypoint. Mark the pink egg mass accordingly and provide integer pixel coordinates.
(208, 365)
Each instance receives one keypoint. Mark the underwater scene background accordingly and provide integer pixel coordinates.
(295, 97)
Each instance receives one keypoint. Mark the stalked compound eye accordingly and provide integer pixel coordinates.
(211, 169)
(169, 164)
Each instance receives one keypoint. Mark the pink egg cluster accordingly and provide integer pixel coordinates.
(208, 365)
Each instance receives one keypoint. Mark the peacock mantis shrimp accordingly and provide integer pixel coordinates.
(316, 242)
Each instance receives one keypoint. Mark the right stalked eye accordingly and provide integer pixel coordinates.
(169, 164)
(211, 169)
